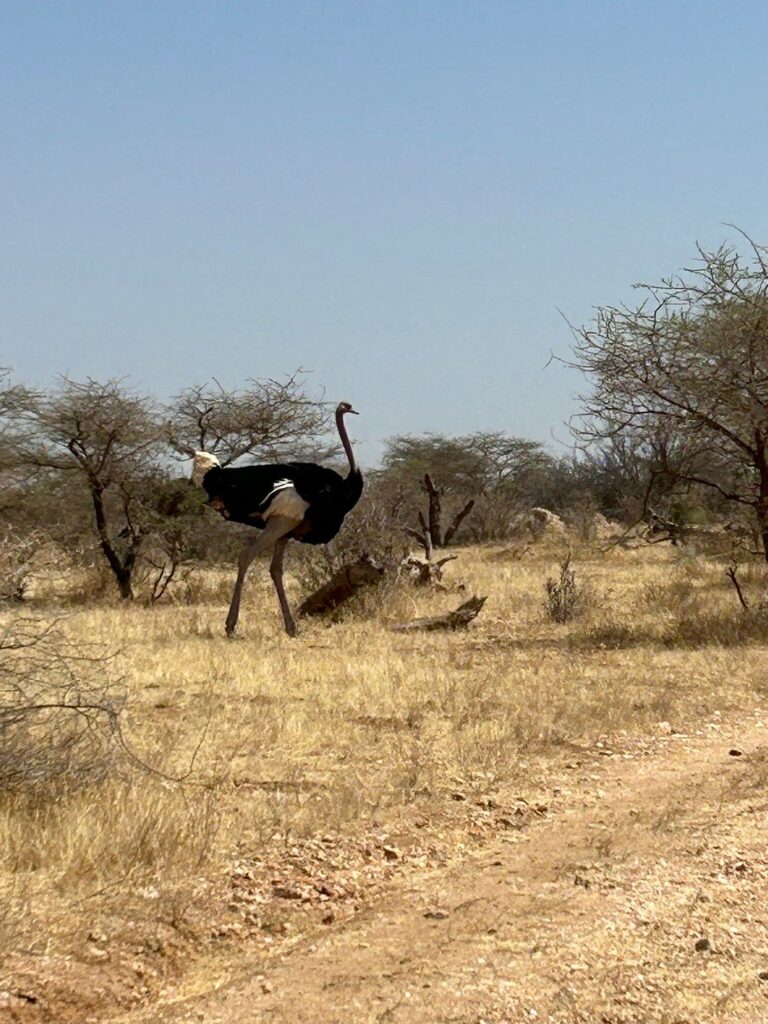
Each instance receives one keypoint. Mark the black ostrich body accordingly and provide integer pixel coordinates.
(243, 495)
(284, 501)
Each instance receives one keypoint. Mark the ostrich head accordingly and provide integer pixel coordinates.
(201, 463)
(343, 408)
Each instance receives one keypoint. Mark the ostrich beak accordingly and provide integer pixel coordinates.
(354, 412)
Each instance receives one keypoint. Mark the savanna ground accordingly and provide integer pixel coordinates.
(527, 820)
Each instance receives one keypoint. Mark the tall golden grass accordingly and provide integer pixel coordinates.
(291, 737)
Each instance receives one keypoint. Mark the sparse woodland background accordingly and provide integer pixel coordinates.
(139, 748)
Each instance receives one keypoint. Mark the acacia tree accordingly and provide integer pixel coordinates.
(268, 419)
(488, 473)
(110, 438)
(689, 361)
(100, 450)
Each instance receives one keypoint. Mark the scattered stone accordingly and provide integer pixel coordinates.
(702, 945)
(458, 795)
(287, 892)
(486, 802)
(665, 728)
(583, 882)
(762, 975)
(391, 853)
(436, 915)
(735, 752)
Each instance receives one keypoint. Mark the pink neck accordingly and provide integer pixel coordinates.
(345, 441)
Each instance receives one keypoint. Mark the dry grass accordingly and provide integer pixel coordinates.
(306, 735)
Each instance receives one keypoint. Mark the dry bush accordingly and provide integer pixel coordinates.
(58, 707)
(692, 605)
(565, 597)
(21, 555)
(79, 810)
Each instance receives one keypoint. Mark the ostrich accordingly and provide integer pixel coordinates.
(299, 500)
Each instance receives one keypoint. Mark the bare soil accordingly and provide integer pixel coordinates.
(636, 892)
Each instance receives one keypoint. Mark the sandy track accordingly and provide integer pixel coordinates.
(592, 914)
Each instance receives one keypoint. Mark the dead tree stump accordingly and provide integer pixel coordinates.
(342, 586)
(431, 533)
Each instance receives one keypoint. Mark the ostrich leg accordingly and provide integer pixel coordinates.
(276, 572)
(273, 532)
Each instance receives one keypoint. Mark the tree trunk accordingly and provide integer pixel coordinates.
(125, 585)
(435, 511)
(761, 505)
(762, 526)
(458, 520)
(122, 571)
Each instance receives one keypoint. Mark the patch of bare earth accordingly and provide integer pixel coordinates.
(637, 893)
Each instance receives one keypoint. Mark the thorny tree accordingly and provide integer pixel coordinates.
(110, 437)
(690, 362)
(268, 419)
(494, 469)
(113, 445)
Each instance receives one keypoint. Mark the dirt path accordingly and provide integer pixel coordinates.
(592, 914)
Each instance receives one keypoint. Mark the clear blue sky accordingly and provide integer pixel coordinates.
(396, 195)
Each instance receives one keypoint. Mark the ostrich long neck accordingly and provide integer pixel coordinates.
(345, 441)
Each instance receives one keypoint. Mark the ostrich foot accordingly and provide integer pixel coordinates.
(290, 626)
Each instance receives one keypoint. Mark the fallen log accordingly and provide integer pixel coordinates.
(342, 586)
(458, 619)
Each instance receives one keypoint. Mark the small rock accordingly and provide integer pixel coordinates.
(99, 955)
(391, 853)
(735, 752)
(266, 987)
(665, 728)
(702, 945)
(436, 915)
(458, 795)
(329, 918)
(287, 892)
(762, 975)
(486, 802)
